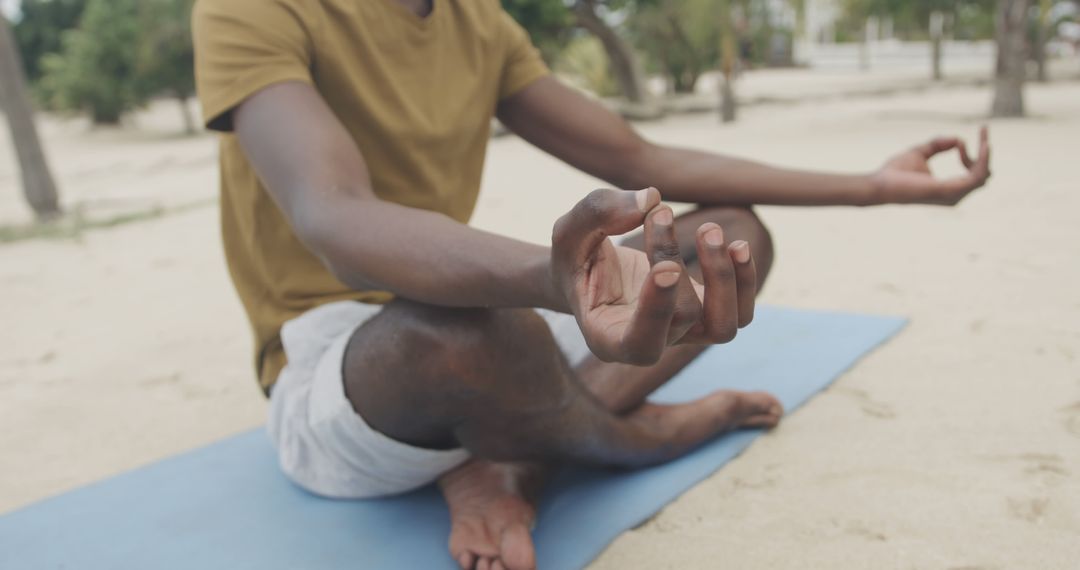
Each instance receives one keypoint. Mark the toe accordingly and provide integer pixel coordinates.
(516, 548)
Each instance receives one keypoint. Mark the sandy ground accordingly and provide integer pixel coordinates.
(957, 445)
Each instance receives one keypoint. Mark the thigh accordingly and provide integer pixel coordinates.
(416, 372)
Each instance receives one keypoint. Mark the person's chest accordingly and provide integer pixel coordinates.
(388, 74)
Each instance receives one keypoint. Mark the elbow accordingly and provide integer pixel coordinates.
(327, 229)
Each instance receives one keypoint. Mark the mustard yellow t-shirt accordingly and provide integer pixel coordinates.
(416, 94)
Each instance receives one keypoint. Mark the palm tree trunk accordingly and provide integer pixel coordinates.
(728, 56)
(1042, 31)
(37, 181)
(1011, 59)
(937, 31)
(624, 63)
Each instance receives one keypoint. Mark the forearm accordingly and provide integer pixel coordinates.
(428, 257)
(685, 175)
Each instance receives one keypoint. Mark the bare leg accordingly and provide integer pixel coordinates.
(492, 503)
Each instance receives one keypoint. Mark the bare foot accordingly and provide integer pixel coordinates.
(492, 514)
(491, 504)
(685, 426)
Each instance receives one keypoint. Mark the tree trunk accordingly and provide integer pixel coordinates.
(937, 30)
(864, 47)
(37, 181)
(727, 63)
(1042, 30)
(185, 113)
(1011, 59)
(624, 63)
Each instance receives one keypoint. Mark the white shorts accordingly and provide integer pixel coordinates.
(323, 445)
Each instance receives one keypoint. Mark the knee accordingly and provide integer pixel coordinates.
(470, 345)
(758, 235)
(744, 224)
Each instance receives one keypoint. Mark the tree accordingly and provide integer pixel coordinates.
(166, 56)
(37, 181)
(40, 28)
(1011, 58)
(679, 37)
(624, 62)
(548, 22)
(728, 55)
(96, 70)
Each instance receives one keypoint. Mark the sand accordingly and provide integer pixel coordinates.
(957, 445)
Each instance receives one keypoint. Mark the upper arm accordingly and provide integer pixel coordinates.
(559, 120)
(253, 63)
(301, 152)
(577, 130)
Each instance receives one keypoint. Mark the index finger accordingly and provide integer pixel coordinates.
(937, 145)
(600, 214)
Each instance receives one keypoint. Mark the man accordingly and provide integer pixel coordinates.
(401, 347)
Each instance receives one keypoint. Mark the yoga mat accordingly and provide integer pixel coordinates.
(226, 506)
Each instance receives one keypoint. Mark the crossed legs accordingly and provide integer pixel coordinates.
(494, 382)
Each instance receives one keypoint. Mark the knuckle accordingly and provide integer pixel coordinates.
(724, 272)
(595, 204)
(666, 251)
(561, 233)
(725, 333)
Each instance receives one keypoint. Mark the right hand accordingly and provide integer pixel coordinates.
(631, 305)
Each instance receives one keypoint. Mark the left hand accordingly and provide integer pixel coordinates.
(906, 177)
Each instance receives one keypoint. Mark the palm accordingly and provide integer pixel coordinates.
(610, 288)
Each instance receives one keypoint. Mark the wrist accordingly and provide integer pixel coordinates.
(869, 190)
(552, 295)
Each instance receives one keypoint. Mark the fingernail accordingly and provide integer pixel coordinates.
(666, 279)
(663, 217)
(741, 250)
(642, 197)
(714, 238)
(776, 410)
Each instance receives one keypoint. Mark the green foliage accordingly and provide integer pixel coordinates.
(96, 68)
(584, 59)
(40, 27)
(973, 19)
(679, 37)
(166, 56)
(122, 53)
(549, 23)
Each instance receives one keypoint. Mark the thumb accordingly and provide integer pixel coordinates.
(600, 214)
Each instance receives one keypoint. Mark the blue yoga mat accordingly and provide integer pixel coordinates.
(227, 506)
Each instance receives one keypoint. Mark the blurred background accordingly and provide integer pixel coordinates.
(124, 343)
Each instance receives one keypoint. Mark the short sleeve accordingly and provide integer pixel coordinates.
(523, 63)
(242, 46)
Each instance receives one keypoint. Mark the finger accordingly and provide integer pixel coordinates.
(600, 214)
(720, 304)
(483, 563)
(982, 164)
(646, 336)
(660, 241)
(466, 560)
(965, 158)
(936, 145)
(745, 280)
(497, 565)
(662, 244)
